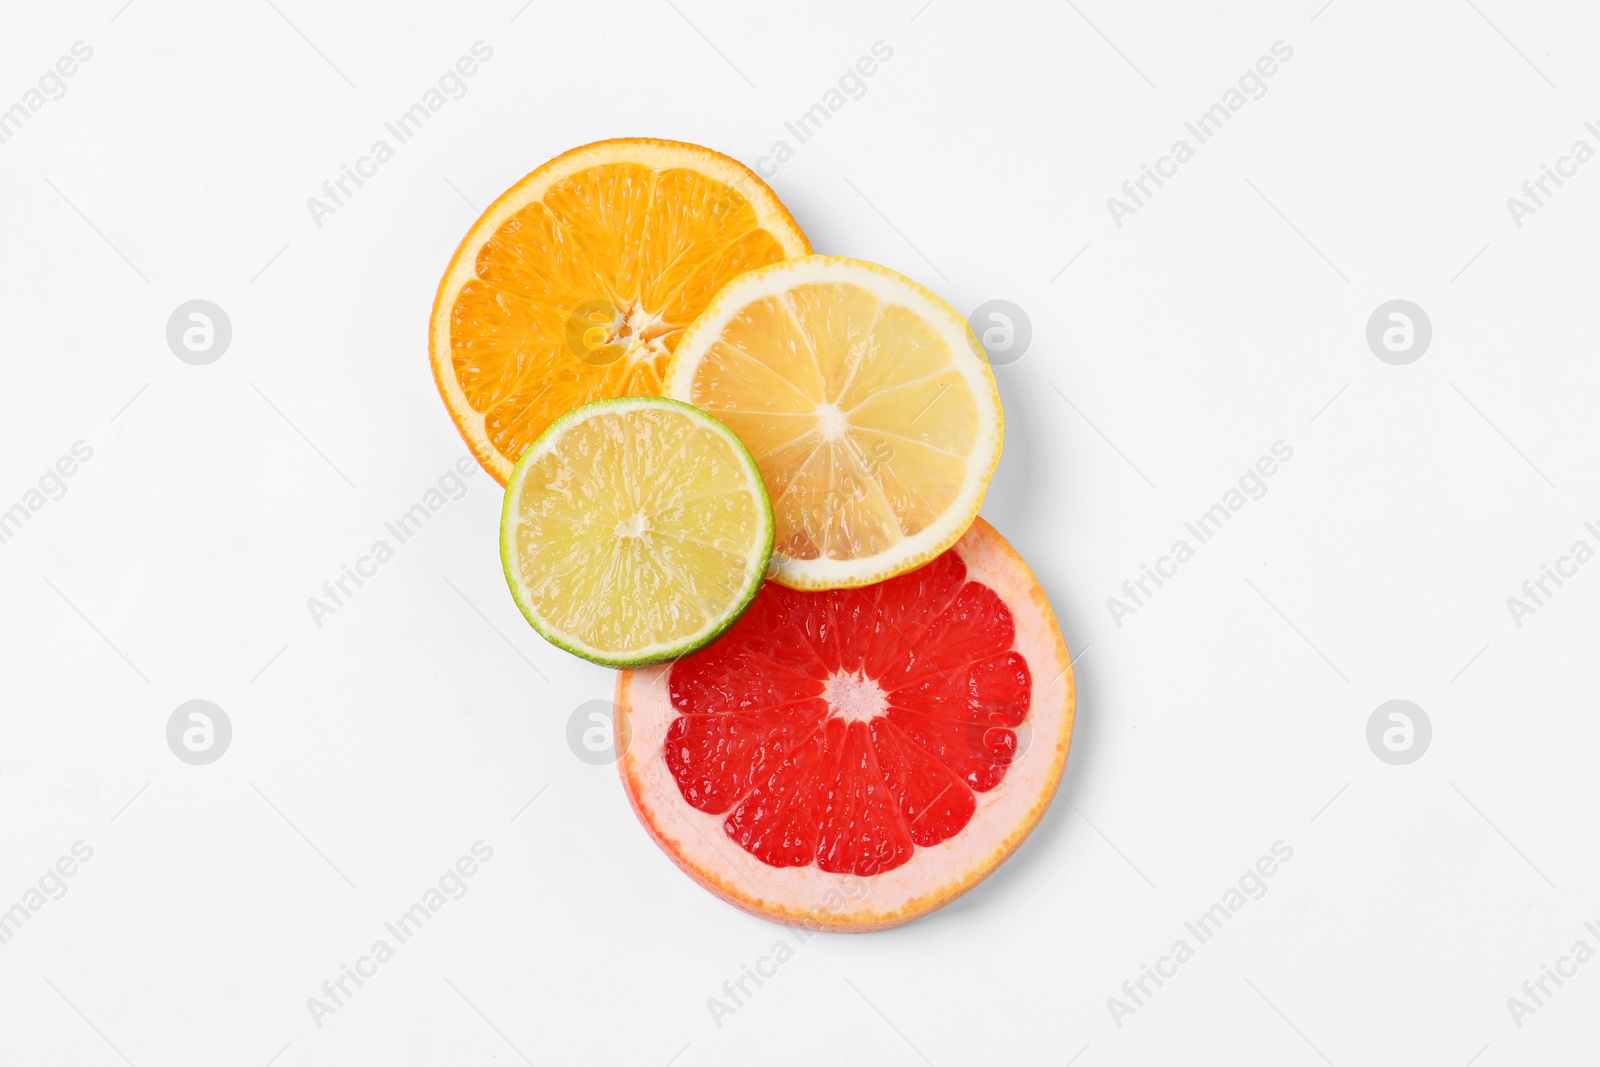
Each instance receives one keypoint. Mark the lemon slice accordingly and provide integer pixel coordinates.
(635, 530)
(868, 406)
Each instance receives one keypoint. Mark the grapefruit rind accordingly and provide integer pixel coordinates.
(654, 152)
(760, 557)
(934, 876)
(967, 357)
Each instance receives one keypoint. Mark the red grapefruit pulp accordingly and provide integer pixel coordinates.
(854, 758)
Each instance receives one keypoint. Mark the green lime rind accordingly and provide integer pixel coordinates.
(658, 653)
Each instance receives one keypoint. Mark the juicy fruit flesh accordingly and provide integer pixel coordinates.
(855, 413)
(582, 295)
(639, 527)
(849, 727)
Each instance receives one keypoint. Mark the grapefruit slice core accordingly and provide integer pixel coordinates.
(853, 758)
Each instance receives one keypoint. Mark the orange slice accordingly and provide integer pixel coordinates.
(578, 281)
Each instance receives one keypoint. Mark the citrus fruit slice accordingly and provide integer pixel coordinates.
(867, 403)
(851, 759)
(576, 284)
(635, 530)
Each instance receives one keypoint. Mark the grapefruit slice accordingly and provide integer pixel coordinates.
(867, 403)
(576, 284)
(853, 759)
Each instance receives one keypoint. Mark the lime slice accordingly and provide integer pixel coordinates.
(635, 531)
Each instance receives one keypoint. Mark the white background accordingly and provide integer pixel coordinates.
(1227, 714)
